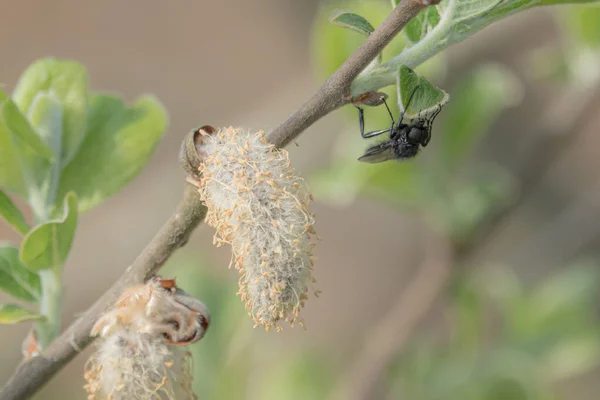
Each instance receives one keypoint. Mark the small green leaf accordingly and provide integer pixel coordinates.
(353, 22)
(119, 142)
(477, 101)
(10, 175)
(46, 116)
(12, 314)
(356, 23)
(426, 98)
(332, 46)
(47, 245)
(11, 214)
(68, 81)
(23, 133)
(15, 278)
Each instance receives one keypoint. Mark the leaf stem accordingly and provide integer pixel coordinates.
(50, 279)
(51, 306)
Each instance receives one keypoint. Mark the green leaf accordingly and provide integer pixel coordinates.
(68, 81)
(353, 22)
(47, 245)
(15, 278)
(11, 214)
(422, 24)
(425, 99)
(332, 45)
(23, 133)
(10, 174)
(119, 142)
(476, 103)
(12, 314)
(356, 23)
(46, 116)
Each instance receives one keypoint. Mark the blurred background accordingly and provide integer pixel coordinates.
(469, 273)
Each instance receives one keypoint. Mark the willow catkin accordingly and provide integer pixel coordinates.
(139, 354)
(259, 206)
(129, 365)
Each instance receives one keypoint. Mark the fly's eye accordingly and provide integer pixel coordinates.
(416, 135)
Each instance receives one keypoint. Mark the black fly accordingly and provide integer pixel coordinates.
(404, 140)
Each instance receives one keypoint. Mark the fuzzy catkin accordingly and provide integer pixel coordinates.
(260, 207)
(129, 365)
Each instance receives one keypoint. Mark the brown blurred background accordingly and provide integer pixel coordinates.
(248, 63)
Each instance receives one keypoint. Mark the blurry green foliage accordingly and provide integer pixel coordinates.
(15, 279)
(12, 214)
(12, 314)
(507, 341)
(582, 22)
(47, 245)
(119, 142)
(61, 143)
(67, 81)
(427, 182)
(477, 100)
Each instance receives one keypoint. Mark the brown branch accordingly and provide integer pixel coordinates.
(396, 327)
(335, 92)
(32, 374)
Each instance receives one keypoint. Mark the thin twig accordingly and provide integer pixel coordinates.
(32, 374)
(335, 92)
(397, 326)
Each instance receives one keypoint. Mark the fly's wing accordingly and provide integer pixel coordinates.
(378, 153)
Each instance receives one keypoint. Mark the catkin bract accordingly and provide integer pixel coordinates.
(259, 206)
